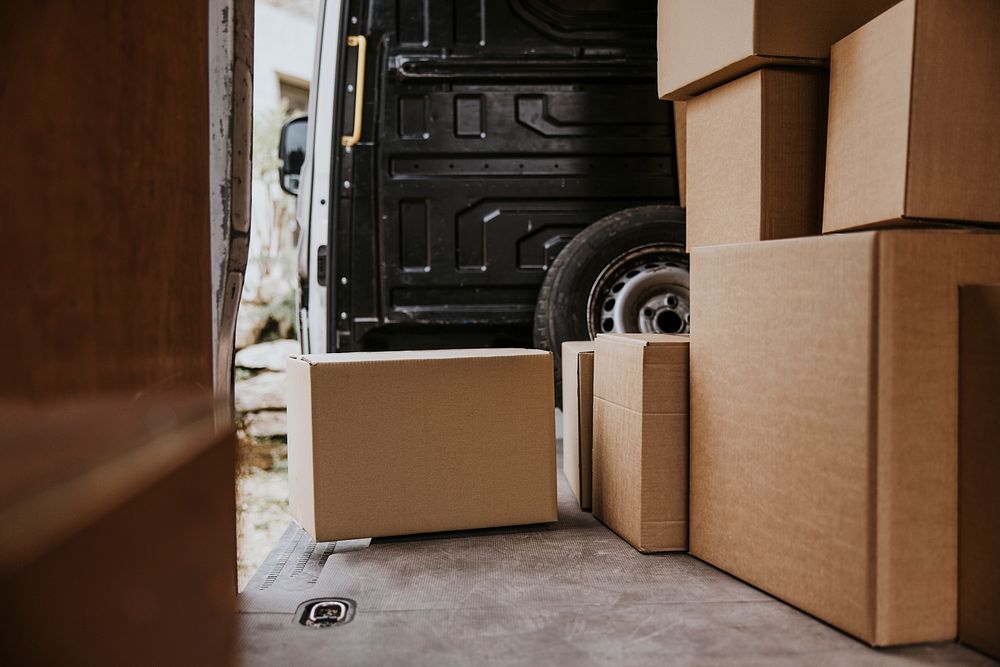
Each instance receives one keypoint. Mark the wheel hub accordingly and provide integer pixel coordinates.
(645, 291)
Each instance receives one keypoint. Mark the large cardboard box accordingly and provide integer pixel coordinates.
(704, 43)
(914, 130)
(824, 422)
(641, 438)
(979, 468)
(391, 443)
(578, 417)
(755, 165)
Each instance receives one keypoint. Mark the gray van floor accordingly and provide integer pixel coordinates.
(566, 593)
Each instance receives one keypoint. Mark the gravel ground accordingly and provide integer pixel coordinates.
(261, 515)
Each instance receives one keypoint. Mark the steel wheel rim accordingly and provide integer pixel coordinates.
(645, 290)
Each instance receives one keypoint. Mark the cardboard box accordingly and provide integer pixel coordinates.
(914, 130)
(578, 417)
(979, 468)
(701, 44)
(755, 165)
(824, 422)
(641, 438)
(392, 443)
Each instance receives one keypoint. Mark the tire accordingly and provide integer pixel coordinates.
(573, 303)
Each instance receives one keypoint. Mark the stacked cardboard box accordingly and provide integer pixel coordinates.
(756, 137)
(913, 118)
(640, 460)
(825, 371)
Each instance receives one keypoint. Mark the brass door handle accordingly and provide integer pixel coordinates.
(359, 89)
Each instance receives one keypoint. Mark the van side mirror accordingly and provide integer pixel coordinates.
(292, 153)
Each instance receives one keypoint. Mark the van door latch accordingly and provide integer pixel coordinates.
(321, 265)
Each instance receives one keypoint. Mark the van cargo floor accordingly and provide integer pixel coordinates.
(566, 593)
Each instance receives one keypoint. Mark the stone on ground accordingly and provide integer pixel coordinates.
(271, 356)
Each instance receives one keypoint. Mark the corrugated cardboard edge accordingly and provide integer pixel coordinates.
(301, 471)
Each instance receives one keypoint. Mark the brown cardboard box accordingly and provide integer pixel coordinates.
(979, 468)
(641, 438)
(392, 443)
(914, 129)
(755, 165)
(824, 422)
(704, 43)
(578, 417)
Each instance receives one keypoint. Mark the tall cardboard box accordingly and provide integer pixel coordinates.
(578, 417)
(641, 438)
(392, 443)
(701, 44)
(755, 164)
(914, 130)
(824, 422)
(979, 468)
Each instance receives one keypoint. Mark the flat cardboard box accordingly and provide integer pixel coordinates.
(641, 438)
(979, 468)
(702, 44)
(393, 443)
(914, 131)
(755, 165)
(824, 422)
(578, 417)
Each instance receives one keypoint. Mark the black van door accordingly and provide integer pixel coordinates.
(491, 133)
